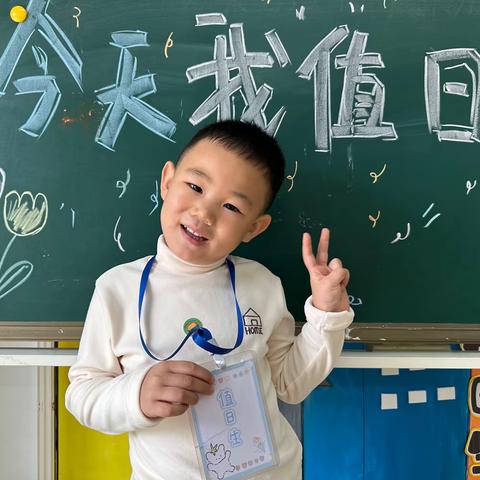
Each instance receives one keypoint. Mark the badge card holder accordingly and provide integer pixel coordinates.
(233, 437)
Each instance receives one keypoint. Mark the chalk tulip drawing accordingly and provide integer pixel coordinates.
(24, 215)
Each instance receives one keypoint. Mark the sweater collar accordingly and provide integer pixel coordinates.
(171, 262)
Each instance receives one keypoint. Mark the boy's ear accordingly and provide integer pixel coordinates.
(167, 174)
(259, 226)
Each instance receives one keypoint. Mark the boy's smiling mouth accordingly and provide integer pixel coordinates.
(191, 233)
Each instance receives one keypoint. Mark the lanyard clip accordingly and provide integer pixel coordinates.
(218, 359)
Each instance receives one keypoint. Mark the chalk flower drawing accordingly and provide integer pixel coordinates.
(24, 215)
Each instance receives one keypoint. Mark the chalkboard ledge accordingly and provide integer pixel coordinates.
(364, 333)
(40, 331)
(413, 333)
(51, 357)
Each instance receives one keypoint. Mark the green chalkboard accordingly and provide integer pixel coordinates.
(374, 102)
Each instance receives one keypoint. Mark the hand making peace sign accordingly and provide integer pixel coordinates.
(328, 281)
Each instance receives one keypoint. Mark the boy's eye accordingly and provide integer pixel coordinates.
(195, 187)
(231, 207)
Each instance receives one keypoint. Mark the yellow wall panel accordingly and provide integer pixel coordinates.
(84, 454)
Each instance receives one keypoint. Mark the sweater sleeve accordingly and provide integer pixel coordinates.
(298, 364)
(100, 395)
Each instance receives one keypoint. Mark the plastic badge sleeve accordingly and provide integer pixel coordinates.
(231, 427)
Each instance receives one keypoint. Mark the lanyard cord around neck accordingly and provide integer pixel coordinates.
(200, 335)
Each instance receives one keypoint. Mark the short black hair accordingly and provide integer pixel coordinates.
(252, 144)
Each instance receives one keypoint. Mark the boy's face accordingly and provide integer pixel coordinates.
(212, 201)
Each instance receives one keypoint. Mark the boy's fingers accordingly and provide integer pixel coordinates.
(166, 409)
(307, 253)
(322, 251)
(189, 368)
(335, 263)
(187, 382)
(338, 276)
(178, 395)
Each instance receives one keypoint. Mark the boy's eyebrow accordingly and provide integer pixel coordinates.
(199, 173)
(243, 197)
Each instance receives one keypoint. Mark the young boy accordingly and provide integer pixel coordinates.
(214, 198)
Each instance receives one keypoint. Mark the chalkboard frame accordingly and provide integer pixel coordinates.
(333, 192)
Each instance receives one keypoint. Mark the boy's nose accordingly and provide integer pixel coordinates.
(204, 214)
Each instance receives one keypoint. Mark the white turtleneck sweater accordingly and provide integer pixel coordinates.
(111, 364)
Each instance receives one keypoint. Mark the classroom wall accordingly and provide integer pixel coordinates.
(18, 421)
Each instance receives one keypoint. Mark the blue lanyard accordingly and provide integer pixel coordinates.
(200, 335)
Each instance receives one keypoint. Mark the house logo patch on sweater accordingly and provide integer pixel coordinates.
(252, 322)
